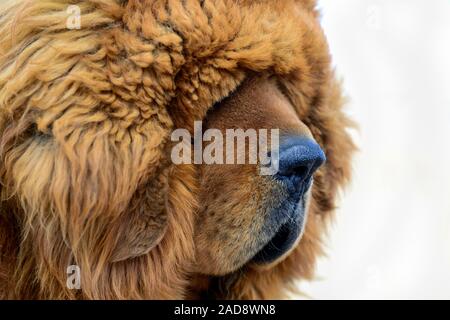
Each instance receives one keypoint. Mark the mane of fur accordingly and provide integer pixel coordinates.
(85, 116)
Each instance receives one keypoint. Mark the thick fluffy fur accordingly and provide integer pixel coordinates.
(85, 117)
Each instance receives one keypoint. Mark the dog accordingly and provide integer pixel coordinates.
(90, 94)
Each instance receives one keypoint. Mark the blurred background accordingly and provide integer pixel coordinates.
(391, 238)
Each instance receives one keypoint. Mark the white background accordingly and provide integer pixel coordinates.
(391, 238)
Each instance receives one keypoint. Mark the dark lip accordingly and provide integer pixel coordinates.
(287, 233)
(281, 243)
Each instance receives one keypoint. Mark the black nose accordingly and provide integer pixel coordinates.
(299, 158)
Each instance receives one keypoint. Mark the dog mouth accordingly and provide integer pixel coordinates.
(286, 236)
(282, 242)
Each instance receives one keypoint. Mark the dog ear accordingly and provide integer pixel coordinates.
(145, 223)
(99, 191)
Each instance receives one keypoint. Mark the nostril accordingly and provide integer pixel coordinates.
(299, 171)
(294, 170)
(300, 157)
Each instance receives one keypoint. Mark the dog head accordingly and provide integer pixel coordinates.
(87, 170)
(246, 216)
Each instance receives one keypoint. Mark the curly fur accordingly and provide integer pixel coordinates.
(85, 118)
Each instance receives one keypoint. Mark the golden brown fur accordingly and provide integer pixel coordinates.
(85, 120)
